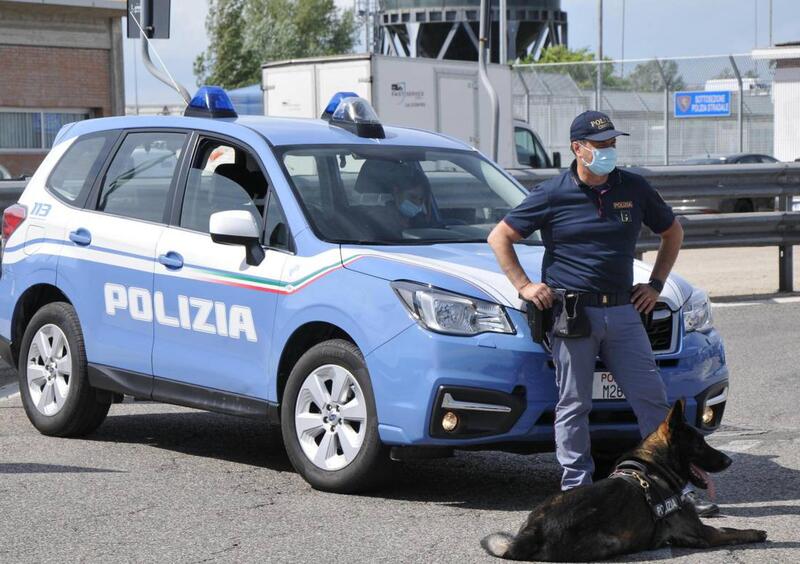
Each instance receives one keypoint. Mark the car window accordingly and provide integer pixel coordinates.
(399, 195)
(139, 177)
(222, 177)
(528, 146)
(78, 167)
(302, 168)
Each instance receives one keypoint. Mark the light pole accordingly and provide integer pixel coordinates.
(599, 90)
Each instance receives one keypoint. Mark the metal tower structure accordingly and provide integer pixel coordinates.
(448, 29)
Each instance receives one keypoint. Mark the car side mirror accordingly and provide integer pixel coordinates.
(556, 159)
(238, 227)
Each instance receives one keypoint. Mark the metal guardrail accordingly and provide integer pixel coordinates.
(779, 229)
(702, 181)
(766, 229)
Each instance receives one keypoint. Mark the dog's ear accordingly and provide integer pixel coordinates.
(675, 417)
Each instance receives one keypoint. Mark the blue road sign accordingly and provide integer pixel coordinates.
(703, 104)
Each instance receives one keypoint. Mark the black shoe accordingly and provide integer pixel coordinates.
(703, 507)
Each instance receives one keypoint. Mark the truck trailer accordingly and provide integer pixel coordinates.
(431, 94)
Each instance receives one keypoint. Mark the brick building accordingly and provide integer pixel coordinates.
(60, 61)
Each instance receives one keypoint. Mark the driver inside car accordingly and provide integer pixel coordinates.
(412, 203)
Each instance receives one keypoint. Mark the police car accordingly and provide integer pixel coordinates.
(329, 276)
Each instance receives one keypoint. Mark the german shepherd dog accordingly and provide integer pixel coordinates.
(641, 511)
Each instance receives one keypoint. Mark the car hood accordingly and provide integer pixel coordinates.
(472, 269)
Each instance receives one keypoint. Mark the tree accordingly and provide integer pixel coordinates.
(227, 62)
(725, 73)
(244, 34)
(284, 29)
(647, 76)
(585, 75)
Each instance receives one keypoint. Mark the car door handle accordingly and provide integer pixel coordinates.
(171, 260)
(80, 237)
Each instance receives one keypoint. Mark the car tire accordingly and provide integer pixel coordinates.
(329, 398)
(54, 384)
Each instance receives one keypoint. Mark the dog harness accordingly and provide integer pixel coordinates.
(663, 498)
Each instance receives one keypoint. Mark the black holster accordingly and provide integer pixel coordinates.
(539, 321)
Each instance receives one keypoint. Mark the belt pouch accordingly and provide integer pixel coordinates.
(569, 314)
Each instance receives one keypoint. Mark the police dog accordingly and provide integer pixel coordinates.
(619, 516)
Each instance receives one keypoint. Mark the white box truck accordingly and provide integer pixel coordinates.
(444, 96)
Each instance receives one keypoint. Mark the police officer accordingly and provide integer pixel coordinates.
(589, 218)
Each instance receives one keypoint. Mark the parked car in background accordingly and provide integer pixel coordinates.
(726, 205)
(737, 158)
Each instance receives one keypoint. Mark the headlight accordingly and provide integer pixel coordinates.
(450, 313)
(697, 312)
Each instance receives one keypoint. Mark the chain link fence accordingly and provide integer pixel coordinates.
(646, 98)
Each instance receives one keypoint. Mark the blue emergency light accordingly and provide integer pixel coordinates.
(334, 103)
(211, 101)
(353, 113)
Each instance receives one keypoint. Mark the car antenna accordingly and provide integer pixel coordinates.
(164, 77)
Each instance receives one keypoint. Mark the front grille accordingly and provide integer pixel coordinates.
(660, 330)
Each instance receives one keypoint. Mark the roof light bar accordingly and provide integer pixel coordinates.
(211, 101)
(348, 111)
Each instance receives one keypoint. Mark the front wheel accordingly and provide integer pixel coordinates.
(329, 422)
(53, 379)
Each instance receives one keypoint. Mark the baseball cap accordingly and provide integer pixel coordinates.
(594, 126)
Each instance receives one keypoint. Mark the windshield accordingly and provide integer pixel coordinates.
(399, 195)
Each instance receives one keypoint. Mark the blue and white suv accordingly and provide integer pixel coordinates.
(331, 276)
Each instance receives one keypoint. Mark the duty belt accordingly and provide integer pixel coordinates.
(596, 299)
(666, 500)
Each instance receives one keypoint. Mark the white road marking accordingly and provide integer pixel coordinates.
(734, 304)
(779, 300)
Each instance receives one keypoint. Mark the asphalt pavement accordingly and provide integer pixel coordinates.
(158, 483)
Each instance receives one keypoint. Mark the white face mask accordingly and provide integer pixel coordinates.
(603, 160)
(410, 209)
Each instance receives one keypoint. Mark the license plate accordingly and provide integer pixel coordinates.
(606, 388)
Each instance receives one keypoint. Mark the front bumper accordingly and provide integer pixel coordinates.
(412, 372)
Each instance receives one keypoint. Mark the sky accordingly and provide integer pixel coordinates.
(653, 28)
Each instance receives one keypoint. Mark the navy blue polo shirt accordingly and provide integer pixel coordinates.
(590, 233)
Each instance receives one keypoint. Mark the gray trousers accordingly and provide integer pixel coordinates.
(620, 339)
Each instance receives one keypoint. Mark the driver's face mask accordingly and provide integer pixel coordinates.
(410, 209)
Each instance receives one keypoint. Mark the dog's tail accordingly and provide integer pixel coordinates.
(497, 544)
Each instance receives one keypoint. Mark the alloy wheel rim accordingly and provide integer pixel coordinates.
(49, 369)
(330, 417)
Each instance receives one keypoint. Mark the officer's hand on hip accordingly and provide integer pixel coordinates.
(644, 298)
(540, 294)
